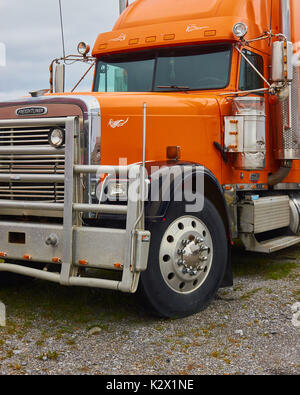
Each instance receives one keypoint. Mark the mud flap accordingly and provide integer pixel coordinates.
(228, 275)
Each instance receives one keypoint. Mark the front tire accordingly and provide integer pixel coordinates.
(187, 262)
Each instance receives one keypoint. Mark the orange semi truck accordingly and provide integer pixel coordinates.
(200, 97)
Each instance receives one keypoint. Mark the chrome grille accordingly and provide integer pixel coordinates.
(35, 136)
(29, 164)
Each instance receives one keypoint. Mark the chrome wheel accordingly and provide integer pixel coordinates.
(186, 254)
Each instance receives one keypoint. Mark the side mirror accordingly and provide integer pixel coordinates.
(59, 83)
(282, 61)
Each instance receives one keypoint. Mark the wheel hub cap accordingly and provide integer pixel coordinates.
(186, 254)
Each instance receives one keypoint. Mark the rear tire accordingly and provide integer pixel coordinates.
(187, 262)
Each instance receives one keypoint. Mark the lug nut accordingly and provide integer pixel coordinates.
(198, 240)
(204, 248)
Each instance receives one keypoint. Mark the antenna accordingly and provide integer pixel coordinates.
(62, 29)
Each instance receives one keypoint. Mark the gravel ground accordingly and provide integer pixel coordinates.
(248, 328)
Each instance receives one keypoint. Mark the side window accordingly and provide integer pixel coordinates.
(249, 79)
(112, 79)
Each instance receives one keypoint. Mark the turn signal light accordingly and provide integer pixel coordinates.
(173, 152)
(3, 254)
(28, 257)
(273, 99)
(83, 262)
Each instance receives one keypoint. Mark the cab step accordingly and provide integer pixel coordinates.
(269, 246)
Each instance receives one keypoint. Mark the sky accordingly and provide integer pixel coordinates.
(30, 37)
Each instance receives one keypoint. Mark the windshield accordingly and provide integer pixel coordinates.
(183, 68)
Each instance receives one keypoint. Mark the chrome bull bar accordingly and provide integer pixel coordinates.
(76, 245)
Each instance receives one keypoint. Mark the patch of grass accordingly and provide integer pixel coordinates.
(296, 293)
(249, 294)
(71, 342)
(9, 353)
(52, 355)
(227, 360)
(69, 308)
(270, 267)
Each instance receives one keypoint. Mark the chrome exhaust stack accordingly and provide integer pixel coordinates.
(286, 18)
(286, 113)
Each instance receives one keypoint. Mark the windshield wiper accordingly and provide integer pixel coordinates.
(173, 87)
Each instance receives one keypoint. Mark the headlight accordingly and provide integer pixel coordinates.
(117, 190)
(83, 48)
(57, 137)
(240, 29)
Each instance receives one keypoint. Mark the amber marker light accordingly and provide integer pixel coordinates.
(56, 260)
(3, 254)
(28, 257)
(173, 152)
(169, 37)
(150, 39)
(210, 33)
(134, 41)
(83, 262)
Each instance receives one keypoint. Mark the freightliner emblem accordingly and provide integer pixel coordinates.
(25, 111)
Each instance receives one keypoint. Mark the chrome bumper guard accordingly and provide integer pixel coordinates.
(72, 245)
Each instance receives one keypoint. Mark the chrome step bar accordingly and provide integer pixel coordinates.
(269, 246)
(96, 247)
